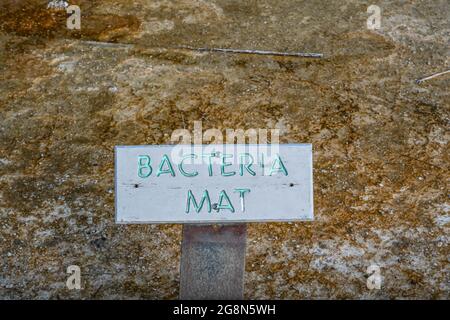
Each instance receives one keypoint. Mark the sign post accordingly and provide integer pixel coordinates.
(213, 190)
(213, 261)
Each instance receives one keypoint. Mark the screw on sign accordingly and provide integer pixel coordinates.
(213, 193)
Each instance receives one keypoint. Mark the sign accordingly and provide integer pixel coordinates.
(213, 183)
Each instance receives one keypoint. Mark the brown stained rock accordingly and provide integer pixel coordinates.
(380, 141)
(33, 18)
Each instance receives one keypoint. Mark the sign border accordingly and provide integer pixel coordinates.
(200, 222)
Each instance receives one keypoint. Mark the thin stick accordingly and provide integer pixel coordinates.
(102, 44)
(242, 51)
(434, 75)
(261, 52)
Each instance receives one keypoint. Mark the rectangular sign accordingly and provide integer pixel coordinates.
(213, 183)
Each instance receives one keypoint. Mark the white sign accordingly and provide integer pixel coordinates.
(213, 183)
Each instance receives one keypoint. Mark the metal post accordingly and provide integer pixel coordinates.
(213, 261)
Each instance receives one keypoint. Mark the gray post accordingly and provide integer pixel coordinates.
(213, 261)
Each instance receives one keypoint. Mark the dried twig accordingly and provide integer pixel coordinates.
(57, 4)
(102, 44)
(434, 75)
(262, 52)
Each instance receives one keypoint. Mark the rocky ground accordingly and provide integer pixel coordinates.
(380, 140)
